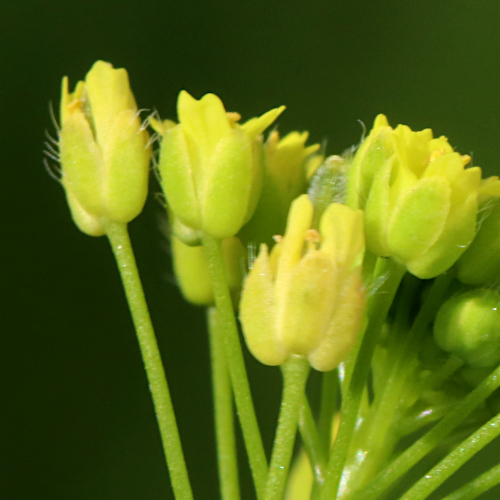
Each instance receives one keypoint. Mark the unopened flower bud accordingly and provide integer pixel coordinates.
(285, 164)
(191, 270)
(420, 201)
(480, 264)
(468, 325)
(103, 150)
(210, 165)
(307, 297)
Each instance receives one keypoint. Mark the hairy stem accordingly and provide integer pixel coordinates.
(120, 243)
(295, 372)
(223, 413)
(236, 364)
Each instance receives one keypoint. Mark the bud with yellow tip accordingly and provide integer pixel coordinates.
(103, 150)
(286, 161)
(210, 165)
(420, 201)
(307, 297)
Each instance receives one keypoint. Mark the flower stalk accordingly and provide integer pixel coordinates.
(120, 243)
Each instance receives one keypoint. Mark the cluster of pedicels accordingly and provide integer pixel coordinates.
(404, 195)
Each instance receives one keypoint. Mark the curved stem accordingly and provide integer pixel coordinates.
(431, 439)
(120, 243)
(295, 372)
(223, 413)
(393, 273)
(478, 486)
(453, 461)
(236, 364)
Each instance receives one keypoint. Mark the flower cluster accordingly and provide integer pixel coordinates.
(384, 271)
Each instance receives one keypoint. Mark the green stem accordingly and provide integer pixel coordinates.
(453, 461)
(328, 407)
(393, 273)
(236, 364)
(122, 249)
(295, 372)
(393, 471)
(377, 437)
(223, 412)
(312, 442)
(437, 377)
(478, 486)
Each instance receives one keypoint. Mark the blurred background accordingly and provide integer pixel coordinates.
(76, 420)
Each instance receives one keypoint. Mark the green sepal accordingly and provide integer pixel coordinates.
(457, 235)
(225, 185)
(480, 264)
(377, 210)
(468, 325)
(257, 313)
(418, 219)
(177, 177)
(82, 163)
(307, 304)
(127, 166)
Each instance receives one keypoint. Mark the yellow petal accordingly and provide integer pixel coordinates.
(255, 126)
(204, 121)
(108, 92)
(292, 245)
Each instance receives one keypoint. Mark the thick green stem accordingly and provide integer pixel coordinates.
(478, 486)
(431, 439)
(236, 364)
(223, 413)
(392, 273)
(122, 249)
(295, 372)
(453, 461)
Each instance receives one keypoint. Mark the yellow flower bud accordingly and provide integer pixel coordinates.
(210, 165)
(285, 163)
(307, 297)
(420, 202)
(103, 150)
(191, 270)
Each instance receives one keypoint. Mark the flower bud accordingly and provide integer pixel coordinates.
(285, 162)
(480, 264)
(420, 201)
(468, 325)
(210, 165)
(307, 297)
(103, 150)
(191, 270)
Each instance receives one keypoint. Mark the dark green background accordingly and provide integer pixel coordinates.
(76, 419)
